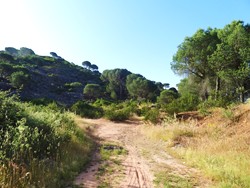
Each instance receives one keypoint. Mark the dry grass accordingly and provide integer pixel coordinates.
(219, 147)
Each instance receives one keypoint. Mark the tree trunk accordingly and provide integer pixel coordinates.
(242, 97)
(217, 87)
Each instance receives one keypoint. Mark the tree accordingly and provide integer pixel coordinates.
(5, 69)
(6, 57)
(230, 60)
(94, 67)
(26, 51)
(92, 91)
(209, 57)
(166, 97)
(53, 54)
(192, 57)
(115, 80)
(86, 64)
(12, 51)
(140, 87)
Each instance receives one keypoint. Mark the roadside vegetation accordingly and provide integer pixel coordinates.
(218, 145)
(41, 146)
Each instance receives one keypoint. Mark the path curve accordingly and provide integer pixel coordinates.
(136, 172)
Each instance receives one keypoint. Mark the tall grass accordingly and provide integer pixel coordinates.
(221, 152)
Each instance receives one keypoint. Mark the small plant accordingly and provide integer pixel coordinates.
(228, 113)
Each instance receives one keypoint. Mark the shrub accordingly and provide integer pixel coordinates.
(36, 145)
(153, 116)
(73, 86)
(86, 110)
(102, 103)
(19, 79)
(186, 102)
(92, 91)
(117, 114)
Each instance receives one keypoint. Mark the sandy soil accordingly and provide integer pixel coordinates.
(143, 160)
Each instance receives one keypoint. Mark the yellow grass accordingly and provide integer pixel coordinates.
(220, 151)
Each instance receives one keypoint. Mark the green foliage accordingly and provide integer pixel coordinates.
(10, 114)
(117, 115)
(37, 145)
(19, 79)
(12, 51)
(92, 91)
(141, 88)
(167, 179)
(22, 52)
(26, 52)
(102, 103)
(42, 101)
(5, 69)
(216, 60)
(84, 109)
(73, 86)
(186, 102)
(153, 116)
(166, 97)
(116, 82)
(120, 111)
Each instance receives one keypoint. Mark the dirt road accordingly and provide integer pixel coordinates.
(143, 161)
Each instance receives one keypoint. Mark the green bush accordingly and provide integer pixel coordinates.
(117, 114)
(73, 86)
(153, 116)
(102, 103)
(19, 79)
(185, 103)
(42, 101)
(36, 145)
(120, 111)
(86, 110)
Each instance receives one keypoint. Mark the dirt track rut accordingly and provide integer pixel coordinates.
(144, 157)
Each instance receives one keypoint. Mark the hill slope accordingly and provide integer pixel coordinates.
(34, 77)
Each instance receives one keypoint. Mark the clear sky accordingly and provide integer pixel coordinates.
(139, 35)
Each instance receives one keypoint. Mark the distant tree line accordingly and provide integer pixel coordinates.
(121, 84)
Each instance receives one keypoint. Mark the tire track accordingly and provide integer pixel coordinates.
(136, 172)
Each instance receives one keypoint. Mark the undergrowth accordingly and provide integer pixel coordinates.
(40, 146)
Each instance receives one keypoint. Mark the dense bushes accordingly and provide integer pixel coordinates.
(36, 144)
(115, 114)
(107, 109)
(84, 109)
(187, 102)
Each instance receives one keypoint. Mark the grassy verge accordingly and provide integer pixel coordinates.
(40, 146)
(167, 179)
(221, 152)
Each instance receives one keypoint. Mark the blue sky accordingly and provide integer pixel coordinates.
(139, 35)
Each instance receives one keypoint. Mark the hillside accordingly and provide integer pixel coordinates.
(35, 77)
